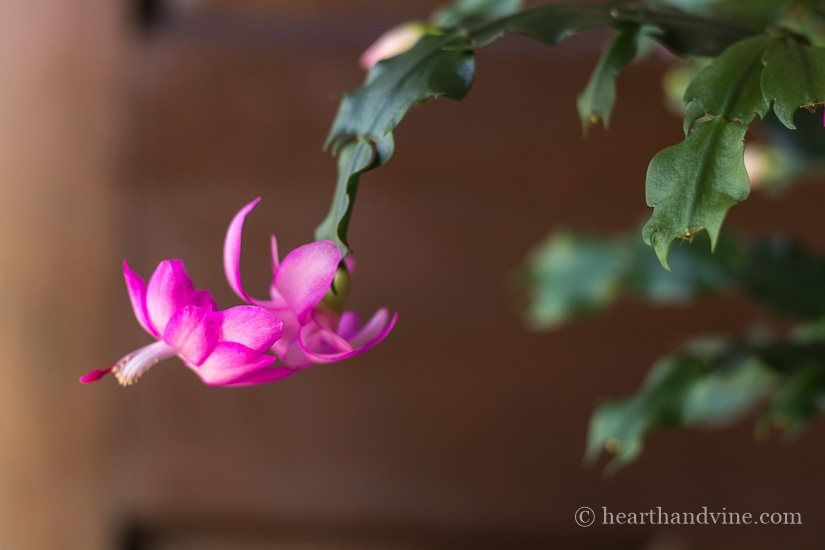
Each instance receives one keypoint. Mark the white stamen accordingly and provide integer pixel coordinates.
(129, 369)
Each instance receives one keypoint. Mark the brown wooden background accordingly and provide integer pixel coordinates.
(462, 429)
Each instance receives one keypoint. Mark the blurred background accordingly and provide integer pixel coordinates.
(136, 129)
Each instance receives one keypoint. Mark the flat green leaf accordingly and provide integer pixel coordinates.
(730, 86)
(692, 185)
(394, 85)
(794, 76)
(354, 159)
(595, 103)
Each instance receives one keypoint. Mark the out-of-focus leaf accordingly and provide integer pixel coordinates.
(803, 145)
(711, 384)
(686, 34)
(465, 10)
(619, 426)
(794, 76)
(676, 80)
(692, 185)
(729, 87)
(595, 103)
(728, 394)
(570, 275)
(549, 23)
(682, 33)
(784, 277)
(802, 397)
(694, 269)
(759, 13)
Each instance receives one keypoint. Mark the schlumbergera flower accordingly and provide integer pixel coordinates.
(224, 348)
(304, 297)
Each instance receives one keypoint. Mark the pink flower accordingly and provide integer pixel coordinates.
(303, 296)
(224, 348)
(395, 41)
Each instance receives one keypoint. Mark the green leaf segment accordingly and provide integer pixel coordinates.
(712, 383)
(709, 382)
(572, 275)
(596, 101)
(691, 186)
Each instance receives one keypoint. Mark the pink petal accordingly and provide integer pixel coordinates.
(375, 330)
(232, 250)
(169, 289)
(370, 335)
(322, 340)
(348, 325)
(230, 362)
(193, 332)
(137, 295)
(273, 244)
(263, 376)
(254, 327)
(292, 355)
(305, 275)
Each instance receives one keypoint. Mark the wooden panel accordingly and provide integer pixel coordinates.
(60, 148)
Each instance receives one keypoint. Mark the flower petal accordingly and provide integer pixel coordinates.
(137, 295)
(273, 245)
(375, 330)
(372, 333)
(263, 376)
(193, 332)
(254, 327)
(232, 250)
(348, 325)
(169, 289)
(305, 275)
(230, 362)
(322, 340)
